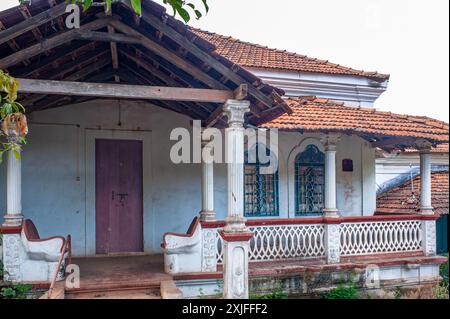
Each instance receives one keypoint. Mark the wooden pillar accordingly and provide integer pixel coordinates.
(236, 236)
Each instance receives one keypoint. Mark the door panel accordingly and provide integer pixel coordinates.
(119, 206)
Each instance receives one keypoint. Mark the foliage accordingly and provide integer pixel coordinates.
(181, 7)
(441, 291)
(272, 295)
(277, 293)
(342, 291)
(15, 291)
(12, 116)
(444, 270)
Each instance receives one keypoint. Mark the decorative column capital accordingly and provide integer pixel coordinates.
(235, 111)
(423, 146)
(330, 141)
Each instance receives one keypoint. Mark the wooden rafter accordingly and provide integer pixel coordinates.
(32, 23)
(59, 19)
(82, 73)
(52, 42)
(169, 56)
(13, 45)
(55, 60)
(200, 54)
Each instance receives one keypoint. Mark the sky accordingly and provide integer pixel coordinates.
(408, 39)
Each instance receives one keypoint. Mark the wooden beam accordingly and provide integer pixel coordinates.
(200, 54)
(81, 61)
(114, 53)
(106, 37)
(241, 93)
(32, 23)
(153, 70)
(52, 42)
(214, 117)
(123, 91)
(200, 109)
(14, 46)
(27, 15)
(84, 72)
(170, 56)
(55, 59)
(61, 24)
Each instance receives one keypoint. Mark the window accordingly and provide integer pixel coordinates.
(261, 190)
(309, 182)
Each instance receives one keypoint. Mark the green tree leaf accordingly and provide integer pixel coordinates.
(137, 6)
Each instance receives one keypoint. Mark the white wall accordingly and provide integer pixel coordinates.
(58, 183)
(394, 165)
(353, 90)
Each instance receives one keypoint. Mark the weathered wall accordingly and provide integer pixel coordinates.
(58, 182)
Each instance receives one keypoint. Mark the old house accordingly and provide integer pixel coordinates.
(102, 102)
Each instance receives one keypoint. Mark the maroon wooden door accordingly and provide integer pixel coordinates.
(119, 202)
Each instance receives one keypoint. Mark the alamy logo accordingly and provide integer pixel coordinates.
(261, 146)
(73, 17)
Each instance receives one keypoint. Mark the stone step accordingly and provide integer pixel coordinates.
(153, 292)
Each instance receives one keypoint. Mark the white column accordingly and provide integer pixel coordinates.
(12, 245)
(234, 138)
(207, 213)
(425, 182)
(330, 209)
(426, 209)
(235, 234)
(13, 217)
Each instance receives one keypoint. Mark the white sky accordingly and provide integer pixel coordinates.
(408, 39)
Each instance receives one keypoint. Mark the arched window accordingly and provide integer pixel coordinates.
(261, 190)
(309, 182)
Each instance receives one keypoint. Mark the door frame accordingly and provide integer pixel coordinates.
(148, 222)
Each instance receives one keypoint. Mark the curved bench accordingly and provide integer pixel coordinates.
(42, 254)
(182, 252)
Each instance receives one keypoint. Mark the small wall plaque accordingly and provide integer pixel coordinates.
(347, 165)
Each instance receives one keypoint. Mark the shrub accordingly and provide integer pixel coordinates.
(342, 291)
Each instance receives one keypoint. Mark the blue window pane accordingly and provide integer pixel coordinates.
(310, 182)
(261, 190)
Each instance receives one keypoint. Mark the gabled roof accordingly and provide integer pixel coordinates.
(247, 54)
(311, 114)
(152, 50)
(405, 198)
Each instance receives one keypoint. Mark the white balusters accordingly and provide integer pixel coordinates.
(365, 238)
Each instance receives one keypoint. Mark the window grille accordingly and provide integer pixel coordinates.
(261, 190)
(309, 182)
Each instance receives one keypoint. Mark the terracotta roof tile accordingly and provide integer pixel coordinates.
(406, 198)
(312, 114)
(440, 148)
(253, 55)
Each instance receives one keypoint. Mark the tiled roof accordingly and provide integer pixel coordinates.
(440, 148)
(404, 198)
(322, 115)
(248, 54)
